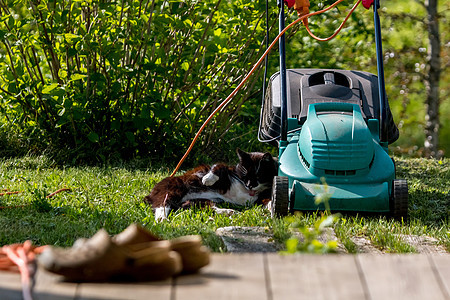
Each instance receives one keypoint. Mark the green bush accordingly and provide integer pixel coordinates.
(96, 80)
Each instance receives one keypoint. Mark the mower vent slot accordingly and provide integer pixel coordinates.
(340, 172)
(371, 162)
(304, 160)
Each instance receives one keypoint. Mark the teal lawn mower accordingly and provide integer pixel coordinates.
(332, 126)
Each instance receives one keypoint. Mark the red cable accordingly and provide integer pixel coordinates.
(58, 191)
(338, 30)
(20, 206)
(9, 193)
(230, 97)
(21, 257)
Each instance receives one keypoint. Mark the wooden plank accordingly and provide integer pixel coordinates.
(399, 277)
(10, 286)
(52, 287)
(269, 276)
(442, 267)
(47, 286)
(229, 276)
(160, 290)
(305, 276)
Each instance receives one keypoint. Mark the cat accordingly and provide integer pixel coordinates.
(247, 183)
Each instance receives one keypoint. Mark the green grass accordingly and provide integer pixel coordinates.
(111, 198)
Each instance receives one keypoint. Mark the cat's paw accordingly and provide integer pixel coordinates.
(268, 205)
(209, 179)
(161, 213)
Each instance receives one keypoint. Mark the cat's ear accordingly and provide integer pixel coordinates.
(242, 154)
(267, 157)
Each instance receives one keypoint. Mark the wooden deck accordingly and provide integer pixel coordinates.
(270, 276)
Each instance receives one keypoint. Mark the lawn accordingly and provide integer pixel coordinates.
(111, 198)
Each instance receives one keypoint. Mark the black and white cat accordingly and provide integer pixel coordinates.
(247, 183)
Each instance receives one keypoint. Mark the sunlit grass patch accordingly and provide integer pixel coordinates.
(111, 198)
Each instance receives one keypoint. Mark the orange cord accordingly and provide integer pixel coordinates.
(8, 251)
(9, 193)
(17, 192)
(337, 31)
(230, 97)
(21, 258)
(58, 191)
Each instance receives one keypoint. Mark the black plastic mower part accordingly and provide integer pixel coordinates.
(308, 86)
(280, 197)
(399, 200)
(283, 92)
(380, 70)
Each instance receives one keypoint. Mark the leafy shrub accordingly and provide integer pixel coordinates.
(101, 79)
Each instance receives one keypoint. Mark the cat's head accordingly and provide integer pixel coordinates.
(256, 169)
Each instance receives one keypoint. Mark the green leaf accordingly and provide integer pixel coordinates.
(3, 34)
(72, 38)
(48, 88)
(326, 222)
(61, 112)
(77, 76)
(188, 22)
(291, 245)
(332, 244)
(93, 137)
(130, 136)
(162, 113)
(185, 66)
(62, 73)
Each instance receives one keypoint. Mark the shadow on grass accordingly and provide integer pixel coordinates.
(430, 207)
(60, 226)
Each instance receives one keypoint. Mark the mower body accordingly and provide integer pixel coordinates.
(333, 143)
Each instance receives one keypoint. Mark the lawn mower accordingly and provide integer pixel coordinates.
(332, 128)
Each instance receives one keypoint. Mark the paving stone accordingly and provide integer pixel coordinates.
(423, 244)
(248, 239)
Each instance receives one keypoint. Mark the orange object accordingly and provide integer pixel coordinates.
(302, 8)
(11, 254)
(9, 193)
(338, 30)
(58, 191)
(21, 258)
(256, 65)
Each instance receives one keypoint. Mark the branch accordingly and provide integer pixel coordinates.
(403, 15)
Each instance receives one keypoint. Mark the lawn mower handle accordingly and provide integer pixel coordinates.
(380, 71)
(283, 85)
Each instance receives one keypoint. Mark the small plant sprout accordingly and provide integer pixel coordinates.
(323, 196)
(308, 239)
